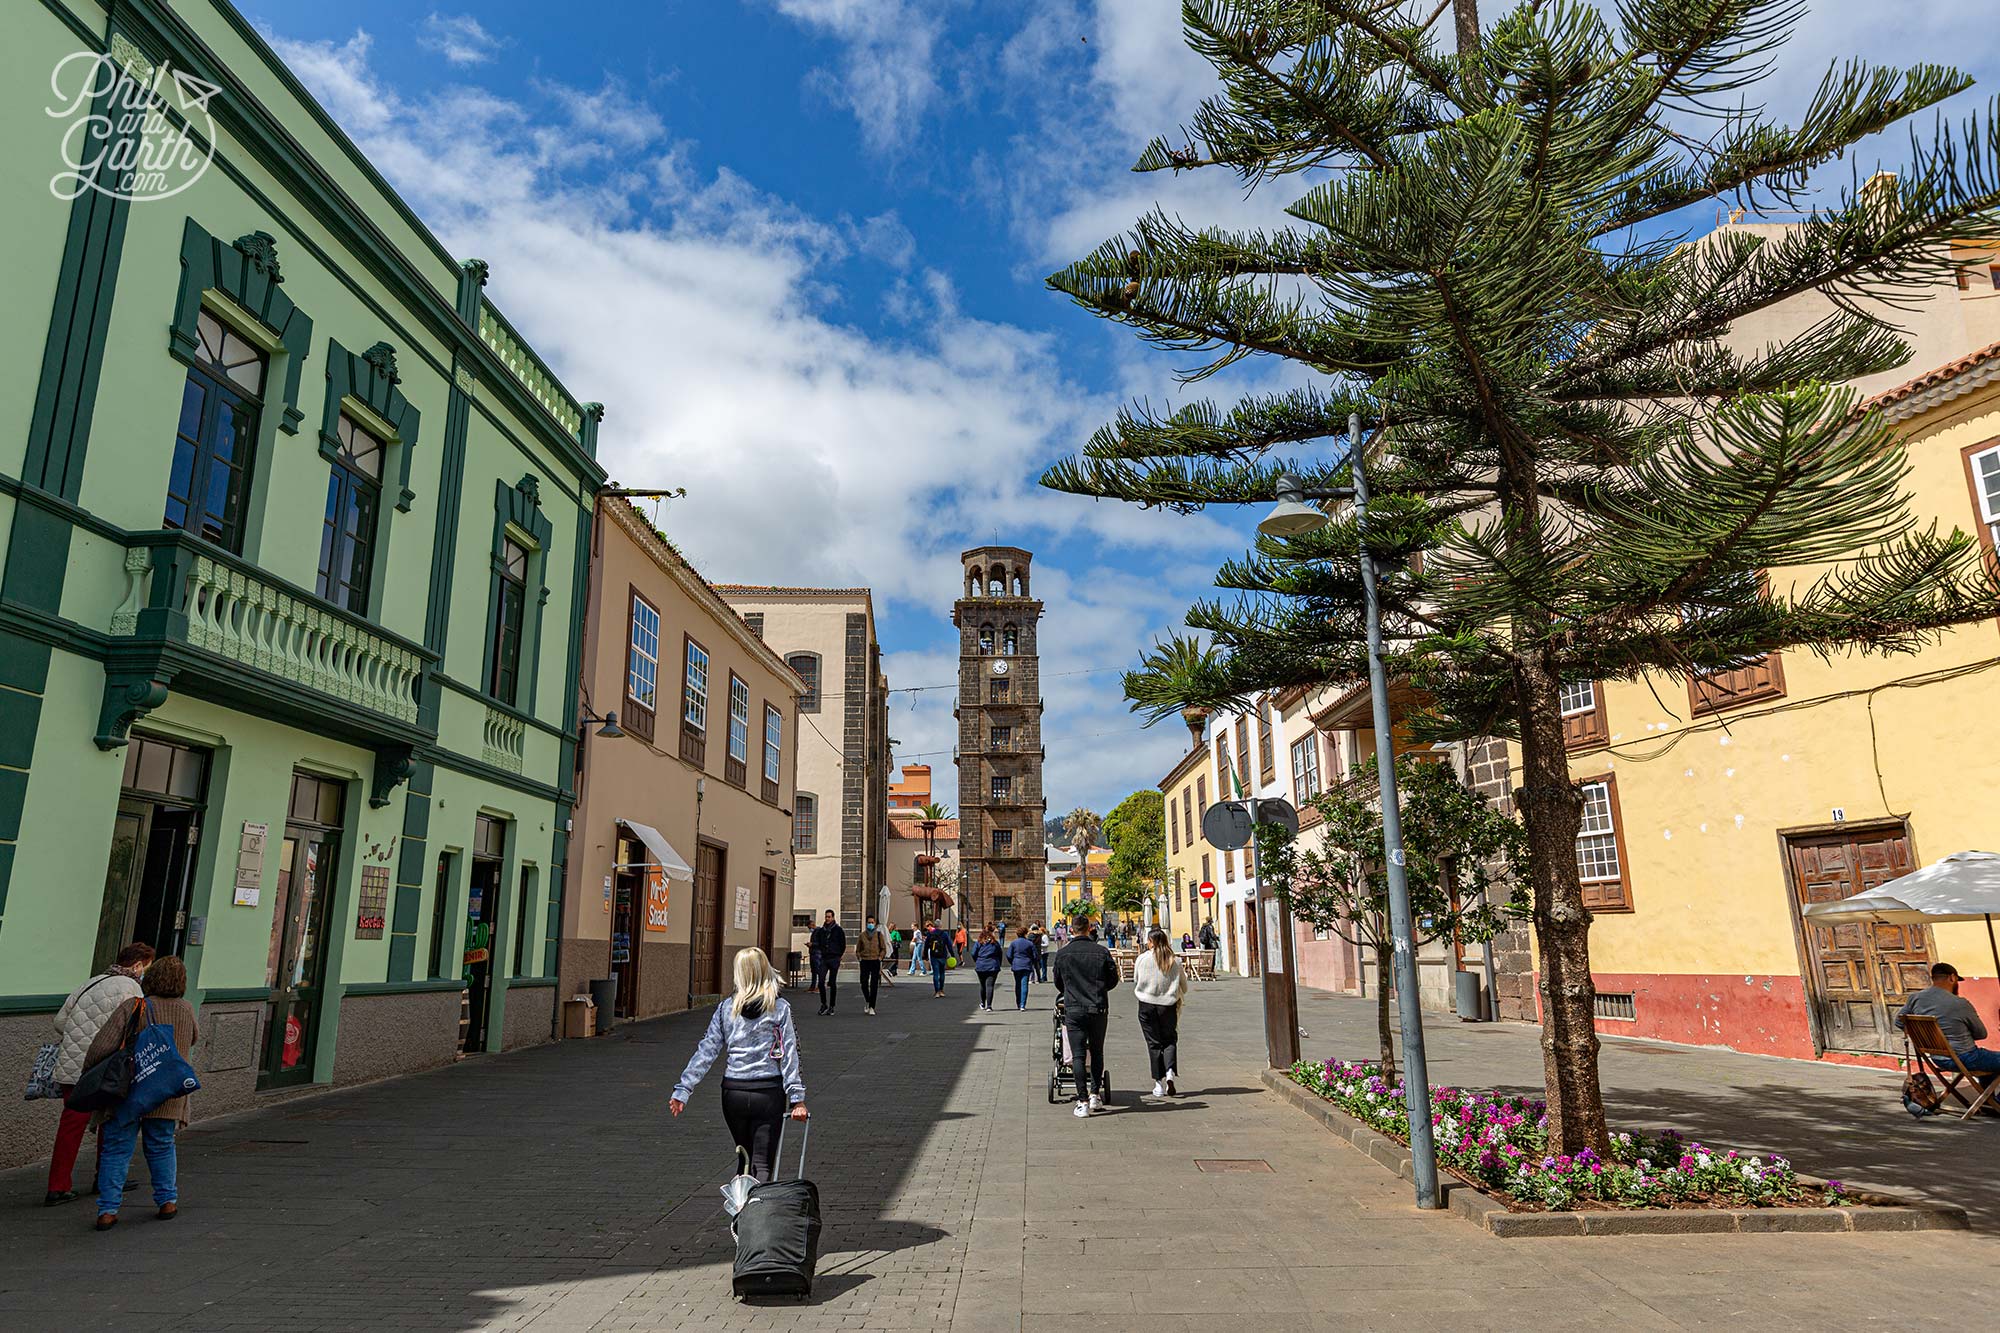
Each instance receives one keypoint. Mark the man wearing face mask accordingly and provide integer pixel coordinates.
(870, 950)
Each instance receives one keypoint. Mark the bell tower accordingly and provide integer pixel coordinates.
(1000, 801)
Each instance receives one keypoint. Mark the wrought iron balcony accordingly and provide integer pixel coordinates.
(210, 624)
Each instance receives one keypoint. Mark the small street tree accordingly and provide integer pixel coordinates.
(1136, 833)
(1576, 477)
(1453, 839)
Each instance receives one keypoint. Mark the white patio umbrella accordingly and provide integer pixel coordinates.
(1964, 886)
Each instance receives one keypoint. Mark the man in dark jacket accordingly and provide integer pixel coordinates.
(829, 942)
(1085, 978)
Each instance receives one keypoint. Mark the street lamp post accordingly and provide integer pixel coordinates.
(1293, 517)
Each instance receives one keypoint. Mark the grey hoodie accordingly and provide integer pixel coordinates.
(758, 1047)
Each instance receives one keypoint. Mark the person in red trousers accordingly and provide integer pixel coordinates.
(77, 1023)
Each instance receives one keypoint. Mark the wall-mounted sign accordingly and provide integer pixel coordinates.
(1274, 939)
(656, 899)
(371, 913)
(607, 895)
(742, 908)
(250, 864)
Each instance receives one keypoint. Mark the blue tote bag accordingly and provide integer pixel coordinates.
(159, 1073)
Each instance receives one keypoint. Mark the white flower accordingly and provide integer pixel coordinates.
(1645, 1164)
(1701, 1159)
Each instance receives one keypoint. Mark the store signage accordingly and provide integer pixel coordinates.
(656, 899)
(372, 910)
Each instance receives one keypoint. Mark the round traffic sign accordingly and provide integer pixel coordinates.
(1207, 889)
(1226, 825)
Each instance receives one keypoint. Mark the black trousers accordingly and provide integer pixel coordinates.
(1086, 1050)
(1161, 1025)
(987, 982)
(754, 1113)
(829, 978)
(871, 980)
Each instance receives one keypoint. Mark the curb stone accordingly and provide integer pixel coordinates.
(1902, 1209)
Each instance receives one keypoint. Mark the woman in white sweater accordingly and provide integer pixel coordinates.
(1159, 984)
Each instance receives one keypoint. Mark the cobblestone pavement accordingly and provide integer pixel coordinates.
(547, 1190)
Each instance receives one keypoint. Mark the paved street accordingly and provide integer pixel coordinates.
(547, 1190)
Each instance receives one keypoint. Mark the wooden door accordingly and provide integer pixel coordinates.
(705, 968)
(1253, 930)
(1229, 936)
(1857, 975)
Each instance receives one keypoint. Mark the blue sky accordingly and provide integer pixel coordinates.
(797, 247)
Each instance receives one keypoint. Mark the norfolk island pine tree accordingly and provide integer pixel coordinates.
(1573, 478)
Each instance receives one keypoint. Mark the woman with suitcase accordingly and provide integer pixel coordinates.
(753, 1030)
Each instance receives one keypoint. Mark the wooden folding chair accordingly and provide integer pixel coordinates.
(1936, 1054)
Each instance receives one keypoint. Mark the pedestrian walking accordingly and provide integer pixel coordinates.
(752, 1030)
(829, 944)
(1041, 942)
(918, 959)
(77, 1024)
(987, 956)
(869, 952)
(939, 946)
(1209, 939)
(958, 945)
(1159, 984)
(162, 992)
(1021, 956)
(895, 953)
(1085, 977)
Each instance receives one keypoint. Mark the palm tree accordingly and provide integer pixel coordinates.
(1176, 668)
(1080, 826)
(930, 815)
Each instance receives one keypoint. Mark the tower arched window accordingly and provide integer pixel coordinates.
(972, 582)
(996, 581)
(1020, 586)
(986, 640)
(1010, 640)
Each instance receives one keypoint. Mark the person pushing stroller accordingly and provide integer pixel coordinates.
(1085, 975)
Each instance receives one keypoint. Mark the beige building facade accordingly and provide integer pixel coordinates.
(826, 636)
(683, 829)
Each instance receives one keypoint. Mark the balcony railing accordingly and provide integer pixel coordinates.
(535, 377)
(506, 740)
(213, 612)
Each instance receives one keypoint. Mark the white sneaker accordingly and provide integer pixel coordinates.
(1096, 1104)
(1173, 1089)
(871, 1011)
(1082, 1110)
(1159, 1090)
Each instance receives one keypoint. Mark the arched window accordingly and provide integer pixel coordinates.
(806, 666)
(805, 823)
(986, 640)
(1010, 640)
(972, 582)
(996, 581)
(1020, 586)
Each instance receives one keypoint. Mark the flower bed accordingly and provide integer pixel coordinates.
(1500, 1144)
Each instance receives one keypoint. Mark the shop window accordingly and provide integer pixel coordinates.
(1600, 848)
(347, 536)
(1583, 718)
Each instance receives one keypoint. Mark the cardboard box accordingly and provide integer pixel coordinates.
(579, 1018)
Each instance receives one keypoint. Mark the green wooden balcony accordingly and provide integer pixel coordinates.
(209, 624)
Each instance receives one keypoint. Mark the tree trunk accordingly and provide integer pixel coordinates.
(1385, 1032)
(1553, 811)
(1465, 19)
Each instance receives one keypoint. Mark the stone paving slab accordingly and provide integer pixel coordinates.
(546, 1190)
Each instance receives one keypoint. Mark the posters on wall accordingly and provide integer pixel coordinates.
(742, 908)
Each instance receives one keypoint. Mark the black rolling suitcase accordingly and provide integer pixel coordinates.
(777, 1232)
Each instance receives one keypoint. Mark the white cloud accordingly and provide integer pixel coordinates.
(888, 71)
(705, 312)
(459, 38)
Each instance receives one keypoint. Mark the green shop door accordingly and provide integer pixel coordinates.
(482, 917)
(295, 971)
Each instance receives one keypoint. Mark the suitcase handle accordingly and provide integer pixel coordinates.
(778, 1157)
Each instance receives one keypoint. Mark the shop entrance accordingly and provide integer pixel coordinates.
(767, 915)
(154, 841)
(482, 914)
(628, 879)
(295, 966)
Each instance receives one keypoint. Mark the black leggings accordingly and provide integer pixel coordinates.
(987, 981)
(754, 1113)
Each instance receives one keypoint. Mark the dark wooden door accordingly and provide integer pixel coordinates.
(1857, 975)
(705, 968)
(1229, 937)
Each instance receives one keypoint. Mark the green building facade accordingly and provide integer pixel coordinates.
(296, 531)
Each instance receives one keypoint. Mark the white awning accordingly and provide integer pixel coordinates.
(661, 850)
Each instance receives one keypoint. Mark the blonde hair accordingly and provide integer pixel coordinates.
(756, 983)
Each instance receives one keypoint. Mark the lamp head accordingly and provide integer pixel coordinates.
(1292, 516)
(610, 731)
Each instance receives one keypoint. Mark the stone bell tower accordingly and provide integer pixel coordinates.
(1000, 801)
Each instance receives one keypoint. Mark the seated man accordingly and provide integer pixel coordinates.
(1956, 1018)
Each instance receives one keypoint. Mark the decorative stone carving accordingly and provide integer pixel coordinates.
(261, 249)
(381, 358)
(128, 696)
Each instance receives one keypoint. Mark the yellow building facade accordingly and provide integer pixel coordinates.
(1714, 809)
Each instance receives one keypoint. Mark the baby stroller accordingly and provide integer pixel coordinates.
(1062, 1074)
